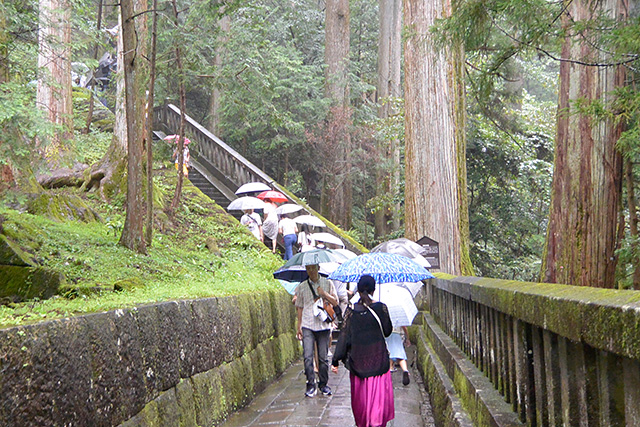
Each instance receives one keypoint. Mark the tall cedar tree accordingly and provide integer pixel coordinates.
(587, 179)
(134, 64)
(337, 195)
(435, 174)
(389, 86)
(54, 80)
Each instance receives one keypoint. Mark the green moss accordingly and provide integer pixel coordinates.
(128, 284)
(25, 283)
(62, 207)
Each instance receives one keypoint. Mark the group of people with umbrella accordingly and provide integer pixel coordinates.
(257, 196)
(388, 278)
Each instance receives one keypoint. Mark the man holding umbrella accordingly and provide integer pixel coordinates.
(312, 327)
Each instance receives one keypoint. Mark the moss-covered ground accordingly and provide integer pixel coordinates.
(201, 252)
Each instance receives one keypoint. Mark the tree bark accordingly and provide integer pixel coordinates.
(95, 57)
(337, 189)
(183, 106)
(132, 233)
(389, 86)
(435, 175)
(213, 118)
(149, 126)
(586, 188)
(633, 221)
(54, 81)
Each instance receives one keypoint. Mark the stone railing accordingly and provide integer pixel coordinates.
(558, 355)
(186, 363)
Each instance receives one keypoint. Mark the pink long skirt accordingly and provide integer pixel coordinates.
(372, 400)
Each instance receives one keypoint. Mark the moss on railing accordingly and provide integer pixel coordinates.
(606, 319)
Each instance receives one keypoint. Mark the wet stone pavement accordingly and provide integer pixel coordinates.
(283, 402)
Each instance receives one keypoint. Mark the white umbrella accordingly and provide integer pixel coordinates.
(346, 252)
(413, 287)
(253, 187)
(327, 238)
(311, 220)
(247, 202)
(288, 208)
(406, 248)
(399, 302)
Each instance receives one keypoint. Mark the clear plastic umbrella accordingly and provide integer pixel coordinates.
(399, 302)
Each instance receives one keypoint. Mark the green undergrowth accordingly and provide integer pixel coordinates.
(202, 252)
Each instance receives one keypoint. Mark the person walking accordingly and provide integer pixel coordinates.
(288, 228)
(313, 330)
(252, 221)
(362, 348)
(270, 223)
(396, 343)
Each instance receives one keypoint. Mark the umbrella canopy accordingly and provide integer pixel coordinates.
(276, 196)
(174, 139)
(311, 220)
(384, 267)
(399, 302)
(288, 208)
(252, 187)
(246, 202)
(290, 286)
(346, 253)
(413, 287)
(327, 238)
(314, 256)
(298, 273)
(404, 247)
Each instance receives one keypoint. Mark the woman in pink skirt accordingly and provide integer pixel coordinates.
(363, 350)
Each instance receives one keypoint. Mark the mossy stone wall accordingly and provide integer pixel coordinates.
(174, 363)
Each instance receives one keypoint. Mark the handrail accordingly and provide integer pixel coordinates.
(561, 355)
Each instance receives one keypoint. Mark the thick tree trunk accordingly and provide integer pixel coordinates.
(134, 66)
(54, 81)
(338, 188)
(586, 189)
(389, 86)
(106, 175)
(435, 175)
(148, 235)
(213, 118)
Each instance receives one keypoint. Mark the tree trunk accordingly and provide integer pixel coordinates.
(389, 86)
(435, 175)
(213, 118)
(586, 188)
(134, 65)
(95, 57)
(54, 81)
(149, 125)
(338, 188)
(633, 221)
(183, 107)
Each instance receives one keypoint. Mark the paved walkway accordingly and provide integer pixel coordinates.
(283, 403)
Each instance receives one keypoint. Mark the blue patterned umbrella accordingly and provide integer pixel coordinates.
(384, 267)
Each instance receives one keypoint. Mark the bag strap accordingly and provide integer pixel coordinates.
(377, 318)
(315, 296)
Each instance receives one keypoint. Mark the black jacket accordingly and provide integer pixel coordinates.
(361, 346)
